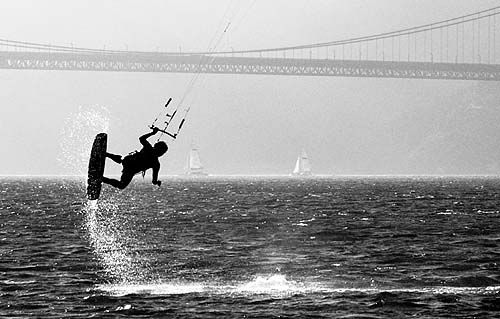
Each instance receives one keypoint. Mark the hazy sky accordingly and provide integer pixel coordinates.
(243, 124)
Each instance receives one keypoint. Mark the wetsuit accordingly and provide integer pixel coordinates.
(135, 163)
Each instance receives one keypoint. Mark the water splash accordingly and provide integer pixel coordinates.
(102, 222)
(276, 284)
(153, 289)
(107, 235)
(78, 133)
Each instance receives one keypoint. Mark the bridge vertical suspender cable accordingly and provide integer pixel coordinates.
(479, 58)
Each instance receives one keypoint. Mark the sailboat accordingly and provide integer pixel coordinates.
(194, 166)
(302, 166)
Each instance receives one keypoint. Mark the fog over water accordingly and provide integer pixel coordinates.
(246, 124)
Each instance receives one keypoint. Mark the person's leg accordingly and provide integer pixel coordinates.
(122, 183)
(114, 157)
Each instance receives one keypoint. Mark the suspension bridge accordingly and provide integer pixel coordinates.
(461, 48)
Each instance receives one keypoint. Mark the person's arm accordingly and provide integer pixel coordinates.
(144, 139)
(156, 170)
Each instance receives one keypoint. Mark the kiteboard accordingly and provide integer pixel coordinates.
(96, 166)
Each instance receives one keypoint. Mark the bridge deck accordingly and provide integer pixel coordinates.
(157, 62)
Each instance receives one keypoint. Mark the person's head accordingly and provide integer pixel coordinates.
(160, 148)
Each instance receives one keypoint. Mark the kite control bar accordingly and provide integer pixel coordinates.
(169, 118)
(174, 136)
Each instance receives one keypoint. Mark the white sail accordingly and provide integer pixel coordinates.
(306, 165)
(194, 166)
(303, 165)
(194, 160)
(296, 170)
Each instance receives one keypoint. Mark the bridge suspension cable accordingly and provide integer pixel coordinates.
(418, 29)
(467, 39)
(444, 24)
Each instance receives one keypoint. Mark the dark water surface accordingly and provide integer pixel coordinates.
(252, 247)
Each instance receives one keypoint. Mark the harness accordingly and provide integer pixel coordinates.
(132, 160)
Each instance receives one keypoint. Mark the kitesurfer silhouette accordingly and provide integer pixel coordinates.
(137, 162)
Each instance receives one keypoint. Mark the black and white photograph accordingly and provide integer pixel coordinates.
(250, 159)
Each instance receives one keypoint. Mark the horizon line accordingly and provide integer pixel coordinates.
(267, 175)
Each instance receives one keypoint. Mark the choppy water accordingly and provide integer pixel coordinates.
(252, 247)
